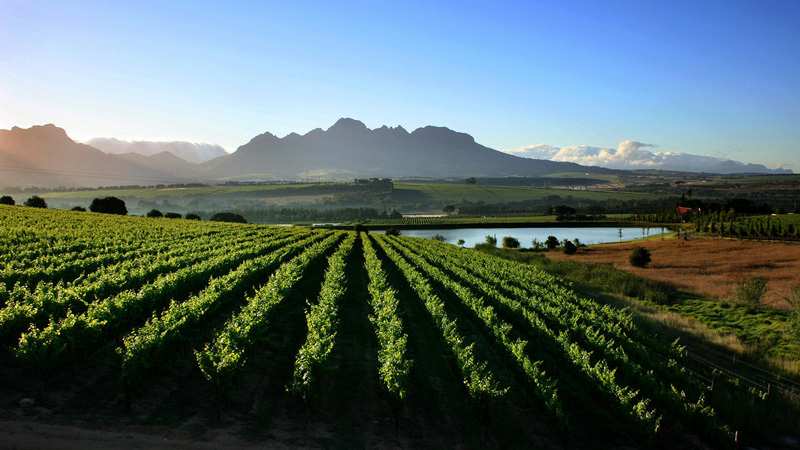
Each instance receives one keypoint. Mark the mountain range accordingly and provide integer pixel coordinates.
(349, 149)
(45, 156)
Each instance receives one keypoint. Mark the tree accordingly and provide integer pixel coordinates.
(491, 240)
(172, 215)
(228, 217)
(108, 205)
(640, 257)
(438, 237)
(461, 242)
(154, 213)
(470, 180)
(192, 216)
(569, 247)
(551, 242)
(449, 209)
(7, 200)
(35, 202)
(563, 212)
(78, 208)
(392, 231)
(510, 242)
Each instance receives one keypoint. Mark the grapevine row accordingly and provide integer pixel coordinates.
(322, 323)
(588, 334)
(63, 340)
(393, 365)
(48, 300)
(150, 344)
(225, 356)
(477, 379)
(544, 387)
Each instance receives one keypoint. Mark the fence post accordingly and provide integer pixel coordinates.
(711, 395)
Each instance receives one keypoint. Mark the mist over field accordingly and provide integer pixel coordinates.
(189, 151)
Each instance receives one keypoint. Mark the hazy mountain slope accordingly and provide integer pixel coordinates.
(349, 149)
(45, 156)
(164, 161)
(189, 151)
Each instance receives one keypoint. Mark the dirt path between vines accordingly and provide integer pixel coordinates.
(32, 435)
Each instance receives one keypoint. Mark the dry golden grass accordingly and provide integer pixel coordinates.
(712, 268)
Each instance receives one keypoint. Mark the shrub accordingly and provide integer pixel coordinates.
(510, 242)
(491, 240)
(108, 205)
(192, 216)
(228, 217)
(569, 247)
(35, 202)
(640, 257)
(7, 200)
(551, 242)
(172, 215)
(750, 292)
(78, 208)
(486, 248)
(438, 237)
(154, 213)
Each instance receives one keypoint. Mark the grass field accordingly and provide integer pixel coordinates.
(403, 192)
(454, 193)
(153, 192)
(712, 268)
(706, 274)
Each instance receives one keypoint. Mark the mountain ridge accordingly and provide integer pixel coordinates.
(45, 156)
(188, 151)
(349, 149)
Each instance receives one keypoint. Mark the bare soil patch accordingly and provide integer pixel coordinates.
(712, 268)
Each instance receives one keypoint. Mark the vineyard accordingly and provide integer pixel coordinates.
(313, 335)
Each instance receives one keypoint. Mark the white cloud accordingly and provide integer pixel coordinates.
(631, 155)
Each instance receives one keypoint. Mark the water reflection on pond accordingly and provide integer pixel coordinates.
(590, 235)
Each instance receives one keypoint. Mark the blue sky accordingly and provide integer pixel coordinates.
(703, 77)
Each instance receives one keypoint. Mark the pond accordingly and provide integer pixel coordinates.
(588, 235)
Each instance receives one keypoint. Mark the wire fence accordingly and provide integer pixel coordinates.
(733, 367)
